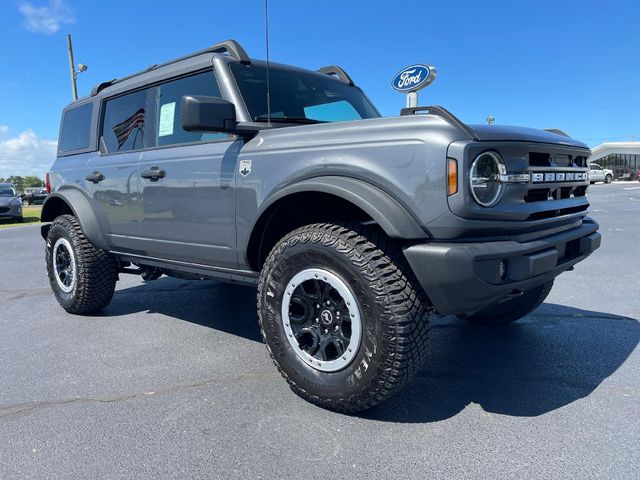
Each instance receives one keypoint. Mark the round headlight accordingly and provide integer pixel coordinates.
(484, 178)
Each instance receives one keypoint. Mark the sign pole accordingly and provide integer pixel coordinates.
(412, 99)
(74, 89)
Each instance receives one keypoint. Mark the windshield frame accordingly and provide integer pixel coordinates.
(256, 117)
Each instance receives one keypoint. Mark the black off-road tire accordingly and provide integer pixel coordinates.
(96, 271)
(513, 309)
(394, 310)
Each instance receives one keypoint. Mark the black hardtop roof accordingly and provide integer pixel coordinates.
(230, 49)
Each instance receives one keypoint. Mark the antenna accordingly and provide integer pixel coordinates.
(266, 32)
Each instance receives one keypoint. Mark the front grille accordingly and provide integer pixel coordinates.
(557, 212)
(542, 159)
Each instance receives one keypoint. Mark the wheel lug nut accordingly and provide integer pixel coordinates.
(317, 320)
(337, 327)
(326, 330)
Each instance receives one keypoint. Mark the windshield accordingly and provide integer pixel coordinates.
(299, 96)
(7, 191)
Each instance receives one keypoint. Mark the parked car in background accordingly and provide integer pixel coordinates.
(34, 197)
(599, 174)
(10, 203)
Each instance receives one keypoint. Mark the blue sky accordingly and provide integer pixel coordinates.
(573, 65)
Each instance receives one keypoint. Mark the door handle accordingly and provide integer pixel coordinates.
(95, 177)
(153, 174)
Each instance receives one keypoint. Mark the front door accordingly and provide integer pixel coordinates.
(112, 174)
(187, 187)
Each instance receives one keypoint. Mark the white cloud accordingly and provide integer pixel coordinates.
(26, 154)
(4, 129)
(46, 19)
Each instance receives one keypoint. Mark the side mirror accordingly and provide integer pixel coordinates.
(208, 114)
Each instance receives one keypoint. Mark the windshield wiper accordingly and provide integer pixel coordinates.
(305, 120)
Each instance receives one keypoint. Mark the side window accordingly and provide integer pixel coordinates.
(168, 97)
(76, 128)
(123, 122)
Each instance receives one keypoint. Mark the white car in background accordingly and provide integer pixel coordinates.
(599, 174)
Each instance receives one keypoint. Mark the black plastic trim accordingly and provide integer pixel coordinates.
(338, 72)
(444, 114)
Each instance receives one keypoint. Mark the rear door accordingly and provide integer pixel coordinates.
(187, 183)
(112, 176)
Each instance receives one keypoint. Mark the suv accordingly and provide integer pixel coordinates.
(599, 174)
(10, 203)
(356, 229)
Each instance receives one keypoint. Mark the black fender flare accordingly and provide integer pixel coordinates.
(90, 218)
(393, 217)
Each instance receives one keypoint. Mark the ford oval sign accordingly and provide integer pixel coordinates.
(413, 78)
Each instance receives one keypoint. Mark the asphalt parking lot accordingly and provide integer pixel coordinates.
(172, 381)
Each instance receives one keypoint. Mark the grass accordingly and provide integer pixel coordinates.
(31, 216)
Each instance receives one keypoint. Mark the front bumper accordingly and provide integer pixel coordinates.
(462, 278)
(13, 211)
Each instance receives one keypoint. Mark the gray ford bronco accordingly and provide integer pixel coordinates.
(356, 229)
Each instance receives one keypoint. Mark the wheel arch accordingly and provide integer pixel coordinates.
(347, 199)
(71, 201)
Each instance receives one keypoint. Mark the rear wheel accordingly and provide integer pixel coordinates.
(82, 277)
(608, 179)
(341, 317)
(513, 309)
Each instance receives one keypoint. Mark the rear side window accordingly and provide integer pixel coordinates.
(168, 97)
(123, 122)
(76, 128)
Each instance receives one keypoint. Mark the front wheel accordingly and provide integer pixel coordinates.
(608, 179)
(26, 203)
(513, 309)
(341, 317)
(82, 277)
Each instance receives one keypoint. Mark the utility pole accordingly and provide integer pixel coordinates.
(72, 69)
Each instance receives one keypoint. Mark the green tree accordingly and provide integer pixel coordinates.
(32, 181)
(17, 181)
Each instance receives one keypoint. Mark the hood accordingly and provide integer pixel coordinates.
(486, 133)
(6, 201)
(429, 127)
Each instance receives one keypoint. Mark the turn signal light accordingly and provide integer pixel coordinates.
(48, 183)
(452, 176)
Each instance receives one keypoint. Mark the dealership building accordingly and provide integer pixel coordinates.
(621, 157)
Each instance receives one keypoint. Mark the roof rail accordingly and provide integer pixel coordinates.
(231, 47)
(338, 72)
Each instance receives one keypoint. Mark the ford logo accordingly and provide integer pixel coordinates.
(413, 78)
